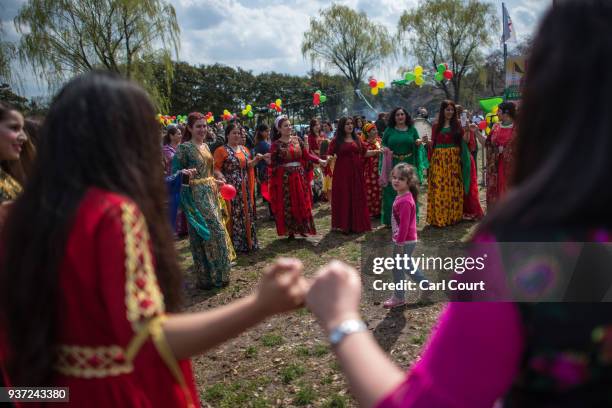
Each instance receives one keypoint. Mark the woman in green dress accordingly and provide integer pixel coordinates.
(401, 142)
(210, 244)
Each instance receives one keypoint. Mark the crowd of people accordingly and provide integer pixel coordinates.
(91, 202)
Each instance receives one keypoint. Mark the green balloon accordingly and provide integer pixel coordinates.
(250, 114)
(410, 76)
(323, 98)
(441, 68)
(439, 76)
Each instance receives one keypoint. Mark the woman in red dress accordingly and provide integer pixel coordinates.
(472, 210)
(290, 194)
(89, 273)
(370, 168)
(349, 204)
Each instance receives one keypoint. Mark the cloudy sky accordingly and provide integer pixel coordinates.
(266, 35)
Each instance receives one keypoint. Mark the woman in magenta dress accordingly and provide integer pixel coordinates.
(349, 204)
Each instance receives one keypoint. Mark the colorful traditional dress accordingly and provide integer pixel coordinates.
(110, 347)
(289, 190)
(9, 187)
(402, 144)
(349, 204)
(471, 201)
(328, 170)
(499, 165)
(370, 173)
(177, 218)
(233, 163)
(450, 168)
(210, 244)
(263, 148)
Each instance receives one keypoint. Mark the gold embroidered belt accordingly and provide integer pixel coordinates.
(401, 156)
(207, 180)
(292, 164)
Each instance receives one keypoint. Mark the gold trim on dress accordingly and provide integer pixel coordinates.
(92, 362)
(143, 298)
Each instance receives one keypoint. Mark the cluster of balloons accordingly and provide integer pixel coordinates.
(491, 118)
(209, 117)
(418, 75)
(415, 75)
(248, 111)
(165, 119)
(375, 86)
(318, 98)
(276, 105)
(443, 73)
(490, 106)
(227, 115)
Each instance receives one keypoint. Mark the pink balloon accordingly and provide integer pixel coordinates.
(228, 191)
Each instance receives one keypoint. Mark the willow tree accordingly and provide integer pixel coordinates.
(7, 53)
(61, 38)
(448, 31)
(347, 40)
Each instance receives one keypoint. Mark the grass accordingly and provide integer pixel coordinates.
(419, 339)
(250, 352)
(305, 395)
(291, 372)
(336, 401)
(272, 340)
(285, 361)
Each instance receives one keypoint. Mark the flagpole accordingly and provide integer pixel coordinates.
(505, 46)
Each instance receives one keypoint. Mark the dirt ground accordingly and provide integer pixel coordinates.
(285, 361)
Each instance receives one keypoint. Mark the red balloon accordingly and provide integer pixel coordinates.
(482, 125)
(373, 83)
(446, 65)
(272, 105)
(228, 191)
(448, 74)
(316, 102)
(279, 109)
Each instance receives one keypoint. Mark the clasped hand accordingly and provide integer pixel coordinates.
(332, 296)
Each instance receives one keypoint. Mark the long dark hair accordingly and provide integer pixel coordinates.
(454, 122)
(312, 124)
(261, 128)
(391, 121)
(550, 189)
(340, 133)
(192, 118)
(275, 129)
(104, 130)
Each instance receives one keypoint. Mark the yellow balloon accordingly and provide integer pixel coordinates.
(374, 91)
(279, 102)
(380, 84)
(495, 119)
(418, 71)
(419, 80)
(495, 109)
(248, 108)
(244, 112)
(226, 112)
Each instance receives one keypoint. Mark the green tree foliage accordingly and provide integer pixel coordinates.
(217, 87)
(61, 38)
(347, 40)
(451, 31)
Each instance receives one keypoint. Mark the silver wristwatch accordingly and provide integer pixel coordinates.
(344, 329)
